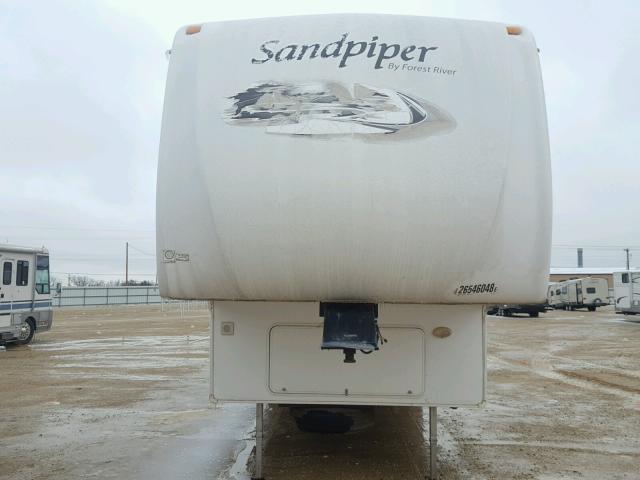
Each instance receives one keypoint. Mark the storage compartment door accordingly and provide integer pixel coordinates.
(5, 320)
(298, 366)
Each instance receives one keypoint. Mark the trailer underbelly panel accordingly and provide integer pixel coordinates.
(270, 352)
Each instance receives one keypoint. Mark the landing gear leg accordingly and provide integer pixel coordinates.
(259, 442)
(433, 443)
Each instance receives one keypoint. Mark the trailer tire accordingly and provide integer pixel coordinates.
(591, 308)
(534, 314)
(28, 330)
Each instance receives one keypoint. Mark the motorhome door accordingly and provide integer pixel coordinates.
(6, 291)
(579, 293)
(572, 293)
(22, 284)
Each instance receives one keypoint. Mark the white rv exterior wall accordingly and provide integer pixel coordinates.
(452, 209)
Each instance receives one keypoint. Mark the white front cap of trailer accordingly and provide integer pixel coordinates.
(354, 157)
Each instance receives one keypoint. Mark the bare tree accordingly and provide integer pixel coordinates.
(84, 281)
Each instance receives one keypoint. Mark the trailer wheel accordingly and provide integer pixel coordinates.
(591, 309)
(534, 314)
(27, 330)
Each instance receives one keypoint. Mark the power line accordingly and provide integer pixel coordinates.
(106, 238)
(141, 251)
(602, 247)
(100, 229)
(93, 257)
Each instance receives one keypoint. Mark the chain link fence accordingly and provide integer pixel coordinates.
(103, 296)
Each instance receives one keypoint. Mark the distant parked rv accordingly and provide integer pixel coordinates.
(25, 298)
(587, 292)
(554, 292)
(626, 291)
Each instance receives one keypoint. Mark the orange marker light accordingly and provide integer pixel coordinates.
(192, 29)
(514, 30)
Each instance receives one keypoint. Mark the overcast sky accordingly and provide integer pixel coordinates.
(81, 89)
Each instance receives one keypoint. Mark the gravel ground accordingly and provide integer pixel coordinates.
(123, 393)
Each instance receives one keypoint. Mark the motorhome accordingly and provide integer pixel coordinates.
(25, 297)
(626, 291)
(587, 292)
(331, 191)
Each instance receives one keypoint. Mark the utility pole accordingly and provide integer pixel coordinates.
(580, 258)
(627, 252)
(126, 266)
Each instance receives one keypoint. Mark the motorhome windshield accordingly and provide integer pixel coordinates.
(42, 274)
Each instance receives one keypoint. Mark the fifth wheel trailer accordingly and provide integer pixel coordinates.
(626, 291)
(25, 297)
(349, 191)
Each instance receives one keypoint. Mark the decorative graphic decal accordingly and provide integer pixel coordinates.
(327, 108)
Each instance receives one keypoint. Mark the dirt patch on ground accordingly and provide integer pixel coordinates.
(562, 402)
(607, 379)
(87, 394)
(123, 393)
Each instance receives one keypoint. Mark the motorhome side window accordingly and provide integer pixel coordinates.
(625, 278)
(42, 274)
(7, 271)
(591, 289)
(564, 289)
(22, 272)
